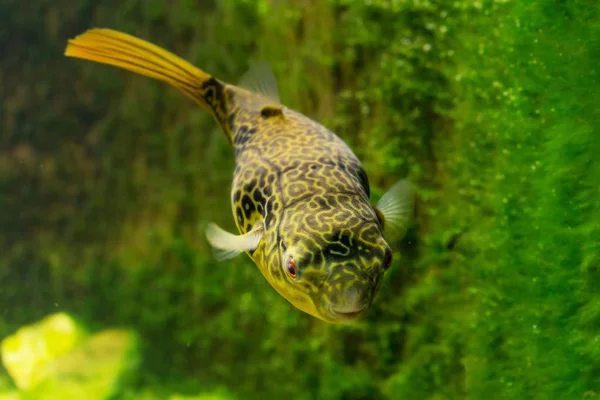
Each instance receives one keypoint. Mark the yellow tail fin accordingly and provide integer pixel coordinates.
(119, 49)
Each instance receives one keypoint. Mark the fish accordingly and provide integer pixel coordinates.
(300, 197)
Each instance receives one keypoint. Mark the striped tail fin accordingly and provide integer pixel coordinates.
(119, 49)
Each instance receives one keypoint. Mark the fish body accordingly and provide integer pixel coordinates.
(300, 197)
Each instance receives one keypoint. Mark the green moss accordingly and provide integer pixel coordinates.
(199, 397)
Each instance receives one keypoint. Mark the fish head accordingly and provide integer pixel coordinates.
(331, 264)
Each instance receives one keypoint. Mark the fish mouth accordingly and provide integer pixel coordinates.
(348, 313)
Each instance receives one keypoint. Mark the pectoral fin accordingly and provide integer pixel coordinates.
(395, 209)
(227, 245)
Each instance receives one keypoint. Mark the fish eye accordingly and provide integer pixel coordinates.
(291, 268)
(387, 260)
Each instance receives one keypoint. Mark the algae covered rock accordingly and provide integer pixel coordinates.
(26, 353)
(55, 359)
(94, 371)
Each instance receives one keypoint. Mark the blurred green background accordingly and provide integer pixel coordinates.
(491, 108)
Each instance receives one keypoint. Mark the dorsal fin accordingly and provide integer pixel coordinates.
(260, 80)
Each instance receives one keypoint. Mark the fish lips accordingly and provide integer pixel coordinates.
(348, 314)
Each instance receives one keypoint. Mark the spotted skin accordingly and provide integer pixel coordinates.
(311, 194)
(295, 179)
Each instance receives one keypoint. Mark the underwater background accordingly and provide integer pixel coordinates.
(108, 180)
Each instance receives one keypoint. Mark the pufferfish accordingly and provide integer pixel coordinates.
(300, 197)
